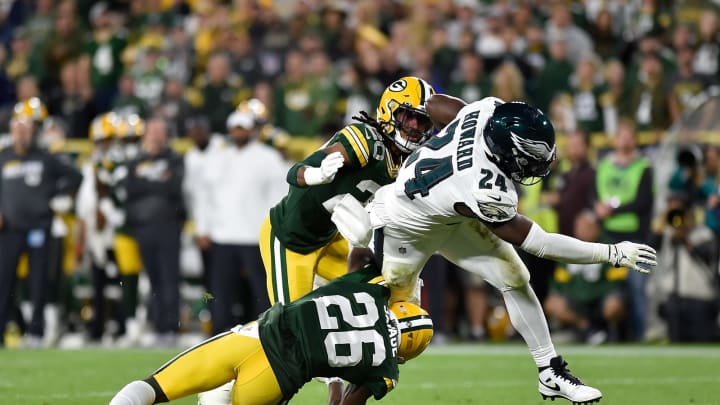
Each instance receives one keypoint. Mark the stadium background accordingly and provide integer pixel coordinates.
(315, 64)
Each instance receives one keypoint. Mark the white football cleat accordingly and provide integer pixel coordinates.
(556, 381)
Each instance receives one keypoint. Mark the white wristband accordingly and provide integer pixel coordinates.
(313, 176)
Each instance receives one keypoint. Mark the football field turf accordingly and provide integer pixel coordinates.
(453, 374)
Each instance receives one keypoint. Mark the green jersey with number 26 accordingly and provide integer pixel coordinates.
(301, 220)
(343, 329)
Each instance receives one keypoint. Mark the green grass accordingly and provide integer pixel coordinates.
(463, 374)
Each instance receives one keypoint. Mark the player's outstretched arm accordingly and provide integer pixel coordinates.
(320, 167)
(443, 108)
(525, 233)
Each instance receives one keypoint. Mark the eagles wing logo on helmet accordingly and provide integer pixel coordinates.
(537, 149)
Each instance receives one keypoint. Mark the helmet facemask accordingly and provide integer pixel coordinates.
(401, 115)
(532, 172)
(408, 138)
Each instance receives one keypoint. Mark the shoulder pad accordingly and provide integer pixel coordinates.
(487, 103)
(360, 140)
(495, 206)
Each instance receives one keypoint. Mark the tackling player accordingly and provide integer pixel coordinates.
(456, 196)
(342, 329)
(298, 240)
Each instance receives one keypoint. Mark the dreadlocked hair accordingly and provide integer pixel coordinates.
(365, 118)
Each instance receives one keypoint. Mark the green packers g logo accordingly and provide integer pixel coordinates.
(398, 85)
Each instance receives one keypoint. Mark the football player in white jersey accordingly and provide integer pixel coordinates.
(456, 196)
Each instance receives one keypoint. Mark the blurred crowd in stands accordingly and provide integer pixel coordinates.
(121, 89)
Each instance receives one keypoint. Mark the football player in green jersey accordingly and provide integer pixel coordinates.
(298, 240)
(344, 328)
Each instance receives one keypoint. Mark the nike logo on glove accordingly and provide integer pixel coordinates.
(554, 388)
(496, 198)
(623, 258)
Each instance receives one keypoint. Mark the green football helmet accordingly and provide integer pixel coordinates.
(521, 141)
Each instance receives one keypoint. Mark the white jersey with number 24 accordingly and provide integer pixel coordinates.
(452, 168)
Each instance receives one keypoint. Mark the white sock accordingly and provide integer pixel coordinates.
(528, 318)
(135, 393)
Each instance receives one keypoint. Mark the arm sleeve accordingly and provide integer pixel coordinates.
(555, 246)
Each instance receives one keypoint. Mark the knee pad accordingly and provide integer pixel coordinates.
(399, 275)
(516, 277)
(404, 282)
(509, 272)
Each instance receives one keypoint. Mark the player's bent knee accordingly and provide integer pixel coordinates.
(398, 275)
(515, 276)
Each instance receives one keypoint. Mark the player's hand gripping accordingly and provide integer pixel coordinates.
(327, 170)
(636, 256)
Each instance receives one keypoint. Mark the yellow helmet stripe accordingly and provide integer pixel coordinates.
(357, 147)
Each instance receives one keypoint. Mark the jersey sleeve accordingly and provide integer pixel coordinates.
(358, 147)
(495, 206)
(380, 388)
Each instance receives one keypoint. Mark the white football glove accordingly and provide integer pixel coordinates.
(327, 170)
(352, 221)
(636, 256)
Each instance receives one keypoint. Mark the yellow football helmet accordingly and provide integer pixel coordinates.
(32, 108)
(103, 127)
(416, 329)
(406, 95)
(130, 126)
